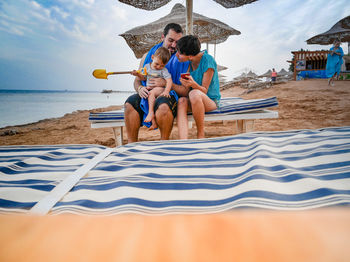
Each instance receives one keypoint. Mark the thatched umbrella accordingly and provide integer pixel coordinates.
(251, 75)
(221, 68)
(341, 31)
(212, 31)
(146, 5)
(267, 74)
(240, 77)
(152, 5)
(283, 72)
(155, 4)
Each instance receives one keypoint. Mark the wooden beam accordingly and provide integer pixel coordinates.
(189, 20)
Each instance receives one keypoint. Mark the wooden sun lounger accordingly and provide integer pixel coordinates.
(243, 112)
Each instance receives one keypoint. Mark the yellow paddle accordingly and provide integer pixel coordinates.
(102, 74)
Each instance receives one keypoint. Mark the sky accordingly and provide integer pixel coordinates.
(55, 45)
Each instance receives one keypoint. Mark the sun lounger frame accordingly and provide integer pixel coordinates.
(243, 122)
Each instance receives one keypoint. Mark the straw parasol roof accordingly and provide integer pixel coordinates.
(212, 31)
(282, 72)
(242, 76)
(251, 75)
(151, 5)
(341, 31)
(221, 68)
(267, 74)
(155, 4)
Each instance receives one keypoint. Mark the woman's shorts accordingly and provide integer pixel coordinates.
(135, 101)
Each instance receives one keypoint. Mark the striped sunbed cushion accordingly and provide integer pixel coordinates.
(228, 105)
(291, 170)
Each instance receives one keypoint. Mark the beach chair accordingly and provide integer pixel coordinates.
(229, 194)
(243, 112)
(290, 170)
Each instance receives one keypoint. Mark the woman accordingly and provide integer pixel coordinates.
(202, 85)
(334, 62)
(273, 75)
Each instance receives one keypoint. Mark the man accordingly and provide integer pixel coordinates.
(164, 108)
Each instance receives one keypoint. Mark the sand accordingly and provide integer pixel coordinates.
(307, 104)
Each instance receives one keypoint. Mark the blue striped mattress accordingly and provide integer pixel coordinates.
(228, 105)
(290, 170)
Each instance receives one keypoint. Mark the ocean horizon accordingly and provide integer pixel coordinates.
(20, 107)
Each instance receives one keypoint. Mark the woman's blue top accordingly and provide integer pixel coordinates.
(207, 61)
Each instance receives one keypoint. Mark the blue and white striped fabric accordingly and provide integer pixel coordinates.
(228, 105)
(291, 170)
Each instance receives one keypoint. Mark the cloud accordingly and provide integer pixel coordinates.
(71, 37)
(61, 13)
(119, 13)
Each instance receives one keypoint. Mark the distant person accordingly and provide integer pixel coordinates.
(334, 62)
(155, 69)
(164, 107)
(202, 85)
(273, 75)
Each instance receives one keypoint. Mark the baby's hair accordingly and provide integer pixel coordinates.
(163, 53)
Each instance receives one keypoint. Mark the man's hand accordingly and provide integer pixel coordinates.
(135, 73)
(156, 82)
(143, 92)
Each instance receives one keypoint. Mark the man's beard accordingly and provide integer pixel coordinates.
(172, 50)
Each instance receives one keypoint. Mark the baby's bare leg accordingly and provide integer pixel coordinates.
(153, 94)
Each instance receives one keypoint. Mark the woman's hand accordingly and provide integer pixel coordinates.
(188, 82)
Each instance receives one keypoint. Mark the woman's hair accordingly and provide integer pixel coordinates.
(163, 53)
(189, 45)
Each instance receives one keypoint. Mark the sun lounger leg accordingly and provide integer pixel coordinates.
(243, 126)
(249, 125)
(189, 124)
(239, 126)
(118, 135)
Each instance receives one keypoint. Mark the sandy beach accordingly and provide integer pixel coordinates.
(307, 104)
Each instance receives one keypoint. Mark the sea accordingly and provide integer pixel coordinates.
(19, 107)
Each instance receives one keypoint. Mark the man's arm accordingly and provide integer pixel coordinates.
(181, 90)
(141, 90)
(137, 81)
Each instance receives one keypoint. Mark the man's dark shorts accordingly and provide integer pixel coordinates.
(135, 101)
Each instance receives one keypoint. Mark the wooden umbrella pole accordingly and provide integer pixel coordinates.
(215, 49)
(189, 20)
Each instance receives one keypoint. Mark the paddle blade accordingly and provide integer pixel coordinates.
(100, 73)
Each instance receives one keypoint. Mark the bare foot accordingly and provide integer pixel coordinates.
(149, 117)
(154, 125)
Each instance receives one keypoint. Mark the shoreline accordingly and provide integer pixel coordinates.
(308, 104)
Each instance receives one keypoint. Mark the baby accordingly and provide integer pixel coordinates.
(156, 69)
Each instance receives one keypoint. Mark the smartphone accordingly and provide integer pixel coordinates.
(185, 75)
